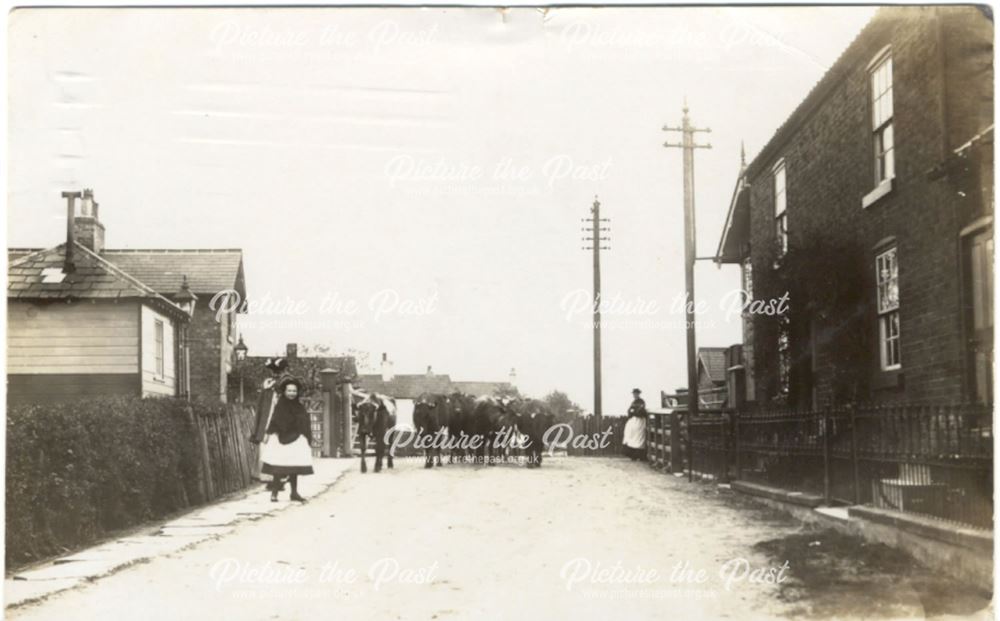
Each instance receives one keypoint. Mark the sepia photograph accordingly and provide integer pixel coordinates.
(538, 312)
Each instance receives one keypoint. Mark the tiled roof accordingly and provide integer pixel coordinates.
(208, 271)
(93, 278)
(713, 359)
(13, 254)
(406, 386)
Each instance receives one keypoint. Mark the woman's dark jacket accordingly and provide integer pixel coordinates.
(638, 408)
(290, 420)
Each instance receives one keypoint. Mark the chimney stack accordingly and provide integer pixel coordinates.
(386, 368)
(512, 377)
(70, 265)
(291, 351)
(87, 227)
(429, 371)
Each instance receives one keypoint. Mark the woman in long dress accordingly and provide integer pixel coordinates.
(287, 448)
(266, 401)
(634, 436)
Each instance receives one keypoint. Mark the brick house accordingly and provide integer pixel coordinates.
(872, 207)
(198, 346)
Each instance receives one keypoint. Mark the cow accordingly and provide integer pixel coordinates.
(534, 419)
(376, 418)
(430, 416)
(492, 418)
(459, 423)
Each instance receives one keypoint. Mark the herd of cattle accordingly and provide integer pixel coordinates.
(484, 430)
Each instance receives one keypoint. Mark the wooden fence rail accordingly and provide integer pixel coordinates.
(228, 460)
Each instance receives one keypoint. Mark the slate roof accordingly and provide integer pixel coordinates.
(93, 278)
(208, 271)
(713, 359)
(406, 386)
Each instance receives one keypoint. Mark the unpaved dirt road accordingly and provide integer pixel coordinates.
(578, 539)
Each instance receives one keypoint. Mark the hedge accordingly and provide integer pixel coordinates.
(79, 471)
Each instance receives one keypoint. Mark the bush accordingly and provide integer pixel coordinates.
(80, 470)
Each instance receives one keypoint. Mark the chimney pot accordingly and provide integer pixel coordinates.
(387, 373)
(429, 370)
(87, 228)
(291, 351)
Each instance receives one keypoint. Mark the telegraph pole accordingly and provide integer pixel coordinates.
(597, 227)
(688, 146)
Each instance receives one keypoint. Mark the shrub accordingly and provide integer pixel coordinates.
(80, 470)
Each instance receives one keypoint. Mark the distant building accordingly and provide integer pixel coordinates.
(407, 388)
(713, 378)
(872, 207)
(101, 322)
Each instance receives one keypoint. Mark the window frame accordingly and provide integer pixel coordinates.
(780, 217)
(889, 318)
(883, 159)
(159, 348)
(746, 276)
(784, 350)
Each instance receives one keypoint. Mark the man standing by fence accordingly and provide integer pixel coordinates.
(634, 434)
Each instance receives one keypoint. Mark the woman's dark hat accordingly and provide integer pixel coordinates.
(276, 364)
(636, 390)
(290, 379)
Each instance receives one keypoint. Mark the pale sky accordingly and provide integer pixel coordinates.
(434, 163)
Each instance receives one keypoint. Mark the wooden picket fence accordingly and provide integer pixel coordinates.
(663, 448)
(591, 427)
(228, 459)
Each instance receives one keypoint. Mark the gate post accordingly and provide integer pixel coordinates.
(346, 412)
(726, 428)
(676, 464)
(687, 444)
(826, 429)
(854, 454)
(736, 441)
(328, 378)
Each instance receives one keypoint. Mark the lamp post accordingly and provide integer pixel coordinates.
(186, 300)
(241, 356)
(336, 433)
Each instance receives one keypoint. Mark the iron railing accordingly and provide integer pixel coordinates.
(930, 460)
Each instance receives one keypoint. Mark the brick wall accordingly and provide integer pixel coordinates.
(205, 339)
(829, 168)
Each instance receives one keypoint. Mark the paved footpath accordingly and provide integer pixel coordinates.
(578, 539)
(199, 525)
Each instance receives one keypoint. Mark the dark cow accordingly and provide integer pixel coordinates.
(491, 418)
(534, 419)
(459, 422)
(430, 415)
(376, 418)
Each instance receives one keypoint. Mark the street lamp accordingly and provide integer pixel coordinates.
(185, 299)
(241, 356)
